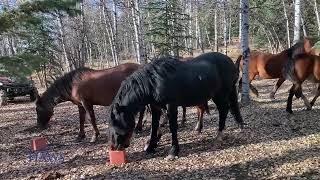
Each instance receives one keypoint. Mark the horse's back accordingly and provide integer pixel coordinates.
(100, 86)
(206, 75)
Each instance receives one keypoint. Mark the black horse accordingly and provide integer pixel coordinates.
(170, 81)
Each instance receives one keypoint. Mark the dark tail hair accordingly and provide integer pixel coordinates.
(237, 64)
(234, 106)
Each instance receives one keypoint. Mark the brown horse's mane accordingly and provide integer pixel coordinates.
(60, 90)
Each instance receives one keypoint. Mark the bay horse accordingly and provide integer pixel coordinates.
(302, 67)
(84, 87)
(269, 66)
(168, 81)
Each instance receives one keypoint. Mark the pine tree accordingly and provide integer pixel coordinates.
(168, 25)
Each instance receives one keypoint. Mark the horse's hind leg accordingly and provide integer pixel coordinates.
(299, 94)
(199, 126)
(276, 87)
(254, 90)
(223, 108)
(82, 118)
(89, 109)
(316, 96)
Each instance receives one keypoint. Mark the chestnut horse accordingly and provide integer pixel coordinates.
(302, 67)
(270, 66)
(84, 87)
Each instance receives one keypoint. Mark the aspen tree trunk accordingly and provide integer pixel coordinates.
(63, 43)
(215, 30)
(317, 15)
(240, 22)
(225, 27)
(287, 24)
(304, 28)
(296, 31)
(115, 32)
(245, 97)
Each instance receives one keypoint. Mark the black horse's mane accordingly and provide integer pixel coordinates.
(140, 85)
(61, 88)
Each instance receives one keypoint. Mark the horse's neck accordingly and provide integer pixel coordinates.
(52, 99)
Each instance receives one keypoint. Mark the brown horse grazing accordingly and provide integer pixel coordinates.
(84, 87)
(269, 66)
(302, 67)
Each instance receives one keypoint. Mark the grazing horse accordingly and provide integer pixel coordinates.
(84, 87)
(168, 81)
(269, 66)
(200, 111)
(302, 67)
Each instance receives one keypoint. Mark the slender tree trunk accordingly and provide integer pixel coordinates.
(304, 28)
(245, 97)
(216, 46)
(317, 15)
(115, 32)
(225, 27)
(296, 31)
(287, 24)
(63, 44)
(240, 22)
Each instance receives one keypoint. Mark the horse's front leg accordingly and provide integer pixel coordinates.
(139, 125)
(276, 87)
(174, 151)
(82, 118)
(289, 100)
(155, 136)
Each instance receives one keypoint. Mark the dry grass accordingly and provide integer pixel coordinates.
(274, 145)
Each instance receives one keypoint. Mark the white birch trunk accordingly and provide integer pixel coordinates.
(287, 24)
(215, 30)
(245, 97)
(296, 29)
(115, 32)
(304, 28)
(63, 42)
(225, 28)
(317, 15)
(240, 22)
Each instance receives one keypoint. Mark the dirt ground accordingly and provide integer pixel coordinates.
(273, 145)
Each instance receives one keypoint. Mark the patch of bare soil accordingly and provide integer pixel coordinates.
(273, 145)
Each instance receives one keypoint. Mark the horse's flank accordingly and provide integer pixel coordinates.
(99, 87)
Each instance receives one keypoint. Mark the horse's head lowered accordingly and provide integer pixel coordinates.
(43, 113)
(121, 126)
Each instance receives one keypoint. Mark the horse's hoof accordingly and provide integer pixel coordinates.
(138, 130)
(289, 111)
(171, 157)
(309, 108)
(148, 149)
(272, 96)
(80, 137)
(94, 139)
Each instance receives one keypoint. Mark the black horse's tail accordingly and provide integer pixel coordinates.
(237, 64)
(234, 105)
